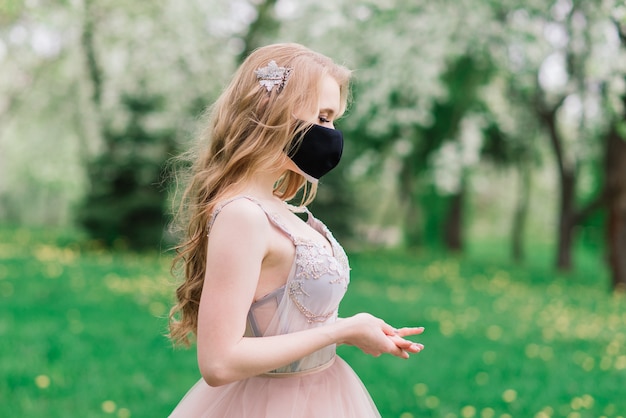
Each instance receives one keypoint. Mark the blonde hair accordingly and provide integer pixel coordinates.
(248, 130)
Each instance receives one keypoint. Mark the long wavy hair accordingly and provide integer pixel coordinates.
(246, 131)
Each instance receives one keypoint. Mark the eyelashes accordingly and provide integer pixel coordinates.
(323, 119)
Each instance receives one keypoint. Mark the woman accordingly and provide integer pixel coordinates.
(262, 286)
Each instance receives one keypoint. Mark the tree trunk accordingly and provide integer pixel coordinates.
(521, 212)
(567, 177)
(89, 120)
(566, 216)
(91, 61)
(615, 193)
(408, 199)
(453, 228)
(615, 172)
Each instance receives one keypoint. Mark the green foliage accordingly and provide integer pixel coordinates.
(126, 201)
(81, 330)
(463, 78)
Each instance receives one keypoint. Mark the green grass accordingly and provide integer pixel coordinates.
(81, 334)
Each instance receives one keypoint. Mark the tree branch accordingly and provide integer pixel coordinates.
(87, 42)
(620, 31)
(547, 116)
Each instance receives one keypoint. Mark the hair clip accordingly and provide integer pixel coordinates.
(273, 75)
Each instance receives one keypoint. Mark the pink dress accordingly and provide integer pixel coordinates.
(320, 385)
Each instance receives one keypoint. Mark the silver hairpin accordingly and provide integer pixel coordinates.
(273, 75)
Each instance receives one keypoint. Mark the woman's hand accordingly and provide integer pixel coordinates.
(406, 345)
(375, 337)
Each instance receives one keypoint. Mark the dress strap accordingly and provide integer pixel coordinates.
(310, 219)
(273, 218)
(298, 209)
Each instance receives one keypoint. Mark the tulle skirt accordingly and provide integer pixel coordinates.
(335, 392)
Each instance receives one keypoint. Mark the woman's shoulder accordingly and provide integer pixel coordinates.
(239, 210)
(238, 230)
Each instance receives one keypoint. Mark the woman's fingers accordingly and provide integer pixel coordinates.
(403, 332)
(406, 345)
(388, 329)
(398, 351)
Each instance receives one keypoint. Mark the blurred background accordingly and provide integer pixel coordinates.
(479, 131)
(471, 120)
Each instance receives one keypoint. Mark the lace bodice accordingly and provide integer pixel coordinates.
(311, 295)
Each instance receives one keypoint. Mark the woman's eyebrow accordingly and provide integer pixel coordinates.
(328, 111)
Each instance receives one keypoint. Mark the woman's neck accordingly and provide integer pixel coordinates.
(262, 185)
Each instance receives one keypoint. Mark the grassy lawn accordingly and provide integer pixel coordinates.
(81, 334)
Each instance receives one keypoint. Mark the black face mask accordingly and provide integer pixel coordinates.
(318, 152)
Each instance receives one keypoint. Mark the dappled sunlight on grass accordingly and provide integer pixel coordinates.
(81, 329)
(535, 348)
